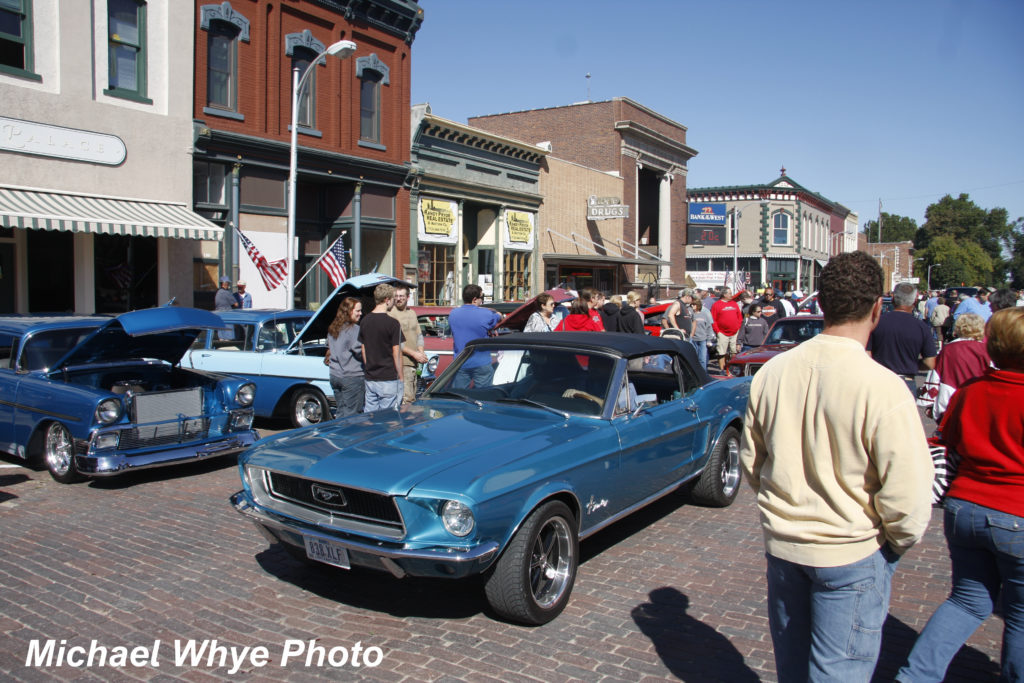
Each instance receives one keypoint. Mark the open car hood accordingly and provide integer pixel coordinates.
(361, 286)
(163, 333)
(516, 320)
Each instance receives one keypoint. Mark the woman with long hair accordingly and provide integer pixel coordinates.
(630, 318)
(984, 510)
(345, 357)
(544, 318)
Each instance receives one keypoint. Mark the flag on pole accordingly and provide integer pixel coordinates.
(272, 272)
(333, 263)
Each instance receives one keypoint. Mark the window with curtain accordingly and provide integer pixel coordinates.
(780, 232)
(126, 48)
(369, 106)
(301, 59)
(222, 66)
(16, 37)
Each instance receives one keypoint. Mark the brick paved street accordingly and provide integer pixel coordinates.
(675, 591)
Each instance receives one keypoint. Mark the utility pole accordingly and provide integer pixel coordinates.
(879, 220)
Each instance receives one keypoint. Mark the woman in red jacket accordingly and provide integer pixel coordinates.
(582, 316)
(984, 510)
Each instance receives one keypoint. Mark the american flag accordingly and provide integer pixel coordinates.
(333, 263)
(272, 272)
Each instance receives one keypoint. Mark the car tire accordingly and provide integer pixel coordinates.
(57, 452)
(533, 578)
(308, 407)
(720, 481)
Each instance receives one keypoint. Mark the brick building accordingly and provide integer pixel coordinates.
(644, 154)
(896, 259)
(353, 134)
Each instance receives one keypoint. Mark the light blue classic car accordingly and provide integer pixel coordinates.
(96, 396)
(283, 352)
(573, 432)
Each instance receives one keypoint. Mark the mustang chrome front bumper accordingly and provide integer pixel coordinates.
(440, 562)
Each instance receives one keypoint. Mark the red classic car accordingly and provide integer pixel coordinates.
(784, 335)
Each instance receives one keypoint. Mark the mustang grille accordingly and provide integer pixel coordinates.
(164, 418)
(350, 502)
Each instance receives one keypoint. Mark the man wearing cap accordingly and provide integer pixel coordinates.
(224, 300)
(976, 304)
(243, 297)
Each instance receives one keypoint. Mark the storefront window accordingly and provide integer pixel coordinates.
(516, 276)
(435, 264)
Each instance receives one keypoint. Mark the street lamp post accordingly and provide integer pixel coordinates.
(736, 214)
(930, 275)
(341, 50)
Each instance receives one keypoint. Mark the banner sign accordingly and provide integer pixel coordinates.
(701, 235)
(518, 230)
(437, 221)
(706, 214)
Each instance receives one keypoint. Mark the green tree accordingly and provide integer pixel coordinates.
(894, 228)
(956, 262)
(1015, 264)
(965, 222)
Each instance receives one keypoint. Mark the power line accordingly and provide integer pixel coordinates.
(935, 194)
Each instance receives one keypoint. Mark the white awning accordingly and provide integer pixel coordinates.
(75, 212)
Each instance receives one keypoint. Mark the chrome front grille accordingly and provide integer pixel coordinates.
(163, 418)
(335, 500)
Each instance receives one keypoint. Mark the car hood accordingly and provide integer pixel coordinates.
(762, 353)
(361, 286)
(516, 320)
(394, 451)
(163, 333)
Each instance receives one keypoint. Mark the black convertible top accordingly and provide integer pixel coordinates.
(615, 343)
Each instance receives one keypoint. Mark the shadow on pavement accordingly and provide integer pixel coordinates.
(692, 650)
(163, 473)
(626, 527)
(897, 640)
(11, 480)
(377, 591)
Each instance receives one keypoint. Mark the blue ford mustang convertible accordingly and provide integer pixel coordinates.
(559, 436)
(95, 396)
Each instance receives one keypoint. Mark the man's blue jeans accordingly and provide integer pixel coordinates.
(826, 622)
(481, 376)
(383, 395)
(987, 551)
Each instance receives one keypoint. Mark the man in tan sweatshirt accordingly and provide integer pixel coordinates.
(834, 448)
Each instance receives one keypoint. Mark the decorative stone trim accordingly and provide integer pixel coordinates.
(373, 63)
(304, 40)
(224, 12)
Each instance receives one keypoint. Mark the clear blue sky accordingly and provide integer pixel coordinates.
(897, 100)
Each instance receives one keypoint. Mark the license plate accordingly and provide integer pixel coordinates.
(328, 552)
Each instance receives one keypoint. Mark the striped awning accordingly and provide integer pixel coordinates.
(73, 212)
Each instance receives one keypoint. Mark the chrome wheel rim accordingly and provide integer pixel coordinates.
(551, 562)
(731, 467)
(308, 410)
(59, 449)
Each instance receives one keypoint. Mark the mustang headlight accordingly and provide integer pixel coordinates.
(432, 365)
(108, 411)
(457, 518)
(245, 394)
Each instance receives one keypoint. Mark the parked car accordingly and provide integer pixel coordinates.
(437, 334)
(653, 315)
(97, 396)
(249, 342)
(576, 430)
(292, 381)
(784, 335)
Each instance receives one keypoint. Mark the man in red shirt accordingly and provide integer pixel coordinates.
(726, 319)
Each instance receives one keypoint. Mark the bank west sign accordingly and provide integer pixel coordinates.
(706, 214)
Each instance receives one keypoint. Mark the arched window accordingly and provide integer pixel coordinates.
(222, 66)
(780, 232)
(373, 74)
(301, 60)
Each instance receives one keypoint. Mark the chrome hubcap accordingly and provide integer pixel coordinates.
(59, 449)
(310, 410)
(551, 562)
(731, 467)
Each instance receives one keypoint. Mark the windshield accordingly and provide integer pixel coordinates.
(551, 379)
(45, 348)
(794, 331)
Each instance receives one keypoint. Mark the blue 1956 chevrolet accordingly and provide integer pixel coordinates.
(571, 432)
(95, 396)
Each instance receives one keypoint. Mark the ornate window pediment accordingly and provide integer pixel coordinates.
(373, 63)
(224, 12)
